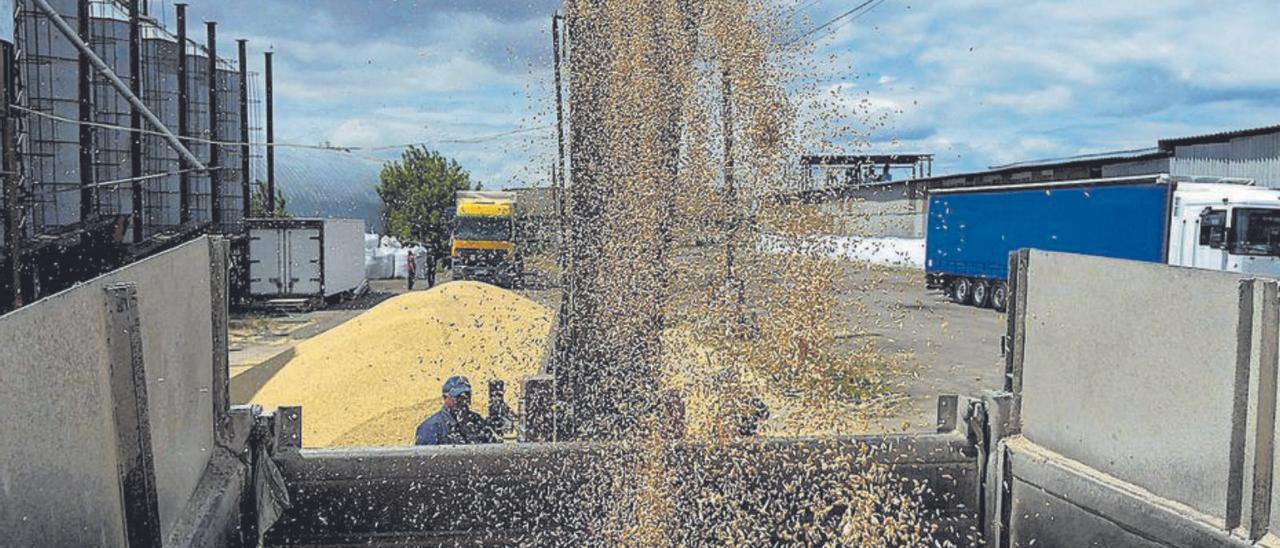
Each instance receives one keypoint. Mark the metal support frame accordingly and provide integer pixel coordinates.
(215, 156)
(288, 429)
(132, 421)
(11, 213)
(115, 81)
(135, 120)
(184, 125)
(271, 142)
(88, 191)
(246, 193)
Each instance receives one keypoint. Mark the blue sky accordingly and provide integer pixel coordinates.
(978, 82)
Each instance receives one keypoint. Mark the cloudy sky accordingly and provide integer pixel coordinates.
(978, 82)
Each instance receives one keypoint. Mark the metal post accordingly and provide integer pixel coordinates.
(557, 175)
(88, 192)
(246, 190)
(135, 118)
(12, 210)
(215, 151)
(734, 281)
(271, 144)
(184, 125)
(128, 381)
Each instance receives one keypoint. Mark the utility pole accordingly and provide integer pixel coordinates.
(135, 118)
(215, 151)
(246, 190)
(184, 115)
(271, 143)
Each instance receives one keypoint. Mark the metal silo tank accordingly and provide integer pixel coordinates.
(229, 131)
(48, 66)
(110, 41)
(198, 127)
(160, 93)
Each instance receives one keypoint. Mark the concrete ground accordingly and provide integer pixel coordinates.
(948, 348)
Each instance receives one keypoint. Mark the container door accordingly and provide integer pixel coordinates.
(266, 277)
(304, 261)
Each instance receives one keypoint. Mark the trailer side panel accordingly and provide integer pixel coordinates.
(972, 233)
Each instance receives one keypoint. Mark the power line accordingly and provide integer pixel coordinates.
(859, 10)
(333, 148)
(462, 140)
(118, 182)
(803, 6)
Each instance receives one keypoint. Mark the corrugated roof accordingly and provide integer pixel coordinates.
(1168, 144)
(1083, 158)
(328, 184)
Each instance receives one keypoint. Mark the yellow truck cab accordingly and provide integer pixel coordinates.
(483, 247)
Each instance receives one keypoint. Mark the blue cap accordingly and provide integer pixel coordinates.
(456, 386)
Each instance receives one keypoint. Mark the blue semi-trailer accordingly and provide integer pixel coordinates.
(1232, 226)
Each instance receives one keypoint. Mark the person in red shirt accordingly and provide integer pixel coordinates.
(411, 266)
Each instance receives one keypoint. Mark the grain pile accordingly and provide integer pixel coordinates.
(370, 381)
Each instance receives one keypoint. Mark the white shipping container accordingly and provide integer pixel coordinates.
(305, 257)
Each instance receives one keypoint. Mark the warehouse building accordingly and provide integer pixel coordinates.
(330, 184)
(867, 203)
(868, 195)
(1247, 153)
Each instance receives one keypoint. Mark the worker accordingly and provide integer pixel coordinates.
(431, 263)
(411, 266)
(455, 423)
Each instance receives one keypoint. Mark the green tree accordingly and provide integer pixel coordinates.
(418, 195)
(258, 201)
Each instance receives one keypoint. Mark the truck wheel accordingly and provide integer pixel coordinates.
(961, 290)
(1000, 296)
(981, 293)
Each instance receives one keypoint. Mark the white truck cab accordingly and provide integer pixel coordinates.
(1226, 226)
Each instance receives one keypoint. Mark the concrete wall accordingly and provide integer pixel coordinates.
(1130, 368)
(58, 480)
(175, 309)
(880, 211)
(59, 477)
(1053, 501)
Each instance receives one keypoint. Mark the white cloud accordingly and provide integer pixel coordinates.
(1050, 99)
(990, 81)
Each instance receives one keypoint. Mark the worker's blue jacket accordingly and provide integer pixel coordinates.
(443, 428)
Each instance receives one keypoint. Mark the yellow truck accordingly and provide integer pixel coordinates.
(484, 245)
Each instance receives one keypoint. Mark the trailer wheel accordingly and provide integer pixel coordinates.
(1000, 296)
(961, 290)
(981, 294)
